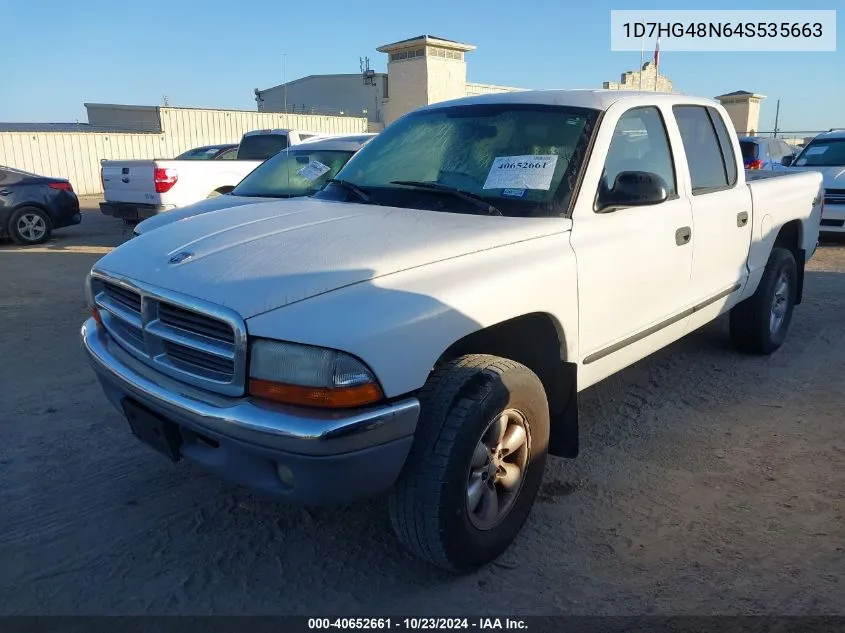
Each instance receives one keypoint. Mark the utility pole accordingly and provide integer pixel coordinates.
(642, 52)
(285, 78)
(656, 62)
(777, 116)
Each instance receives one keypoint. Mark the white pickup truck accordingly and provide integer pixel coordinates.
(424, 324)
(139, 189)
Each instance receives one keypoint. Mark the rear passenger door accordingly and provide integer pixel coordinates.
(721, 212)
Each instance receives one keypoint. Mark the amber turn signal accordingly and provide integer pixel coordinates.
(336, 398)
(96, 314)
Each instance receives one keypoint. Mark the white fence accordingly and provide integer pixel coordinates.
(76, 155)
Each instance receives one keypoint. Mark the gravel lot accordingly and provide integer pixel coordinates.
(710, 483)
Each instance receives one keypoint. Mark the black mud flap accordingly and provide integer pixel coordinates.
(563, 439)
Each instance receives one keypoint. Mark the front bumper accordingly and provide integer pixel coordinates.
(334, 456)
(131, 211)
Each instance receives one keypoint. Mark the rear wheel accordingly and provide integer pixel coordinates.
(476, 464)
(759, 324)
(30, 225)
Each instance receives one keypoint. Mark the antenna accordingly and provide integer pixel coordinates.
(369, 76)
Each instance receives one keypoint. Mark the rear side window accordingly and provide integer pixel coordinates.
(725, 145)
(708, 165)
(261, 146)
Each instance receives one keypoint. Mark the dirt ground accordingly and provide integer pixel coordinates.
(709, 483)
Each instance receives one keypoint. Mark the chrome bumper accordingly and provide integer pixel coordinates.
(290, 429)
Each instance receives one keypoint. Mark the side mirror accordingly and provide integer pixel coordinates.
(633, 189)
(786, 161)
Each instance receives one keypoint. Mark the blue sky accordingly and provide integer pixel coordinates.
(59, 54)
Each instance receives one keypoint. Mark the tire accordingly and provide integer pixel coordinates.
(29, 226)
(759, 324)
(435, 506)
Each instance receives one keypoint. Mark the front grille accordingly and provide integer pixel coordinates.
(198, 362)
(125, 297)
(834, 196)
(198, 343)
(191, 321)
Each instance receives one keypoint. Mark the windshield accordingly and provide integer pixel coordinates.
(199, 153)
(749, 149)
(296, 172)
(261, 146)
(823, 153)
(524, 159)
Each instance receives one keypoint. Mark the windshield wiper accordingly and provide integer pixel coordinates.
(354, 189)
(472, 198)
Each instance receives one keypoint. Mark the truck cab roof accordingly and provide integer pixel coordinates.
(593, 99)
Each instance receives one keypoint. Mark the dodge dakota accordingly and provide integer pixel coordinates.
(423, 325)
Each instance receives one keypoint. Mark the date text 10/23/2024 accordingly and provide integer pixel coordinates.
(412, 624)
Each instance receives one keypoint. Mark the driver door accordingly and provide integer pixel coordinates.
(634, 263)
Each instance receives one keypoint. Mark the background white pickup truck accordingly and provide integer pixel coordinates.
(424, 323)
(139, 189)
(297, 171)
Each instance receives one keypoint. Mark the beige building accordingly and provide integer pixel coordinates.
(744, 109)
(420, 70)
(647, 78)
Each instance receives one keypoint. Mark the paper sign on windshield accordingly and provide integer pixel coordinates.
(521, 172)
(313, 170)
(812, 151)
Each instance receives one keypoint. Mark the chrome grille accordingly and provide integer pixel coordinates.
(190, 321)
(834, 196)
(198, 343)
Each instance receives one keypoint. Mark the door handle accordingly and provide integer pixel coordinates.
(683, 235)
(742, 219)
(5, 192)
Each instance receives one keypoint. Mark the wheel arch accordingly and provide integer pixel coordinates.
(538, 341)
(791, 237)
(7, 223)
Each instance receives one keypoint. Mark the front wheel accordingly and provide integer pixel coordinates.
(29, 226)
(759, 324)
(476, 464)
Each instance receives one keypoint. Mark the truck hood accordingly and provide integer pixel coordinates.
(289, 250)
(203, 206)
(834, 177)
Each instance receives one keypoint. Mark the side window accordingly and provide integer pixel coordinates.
(640, 143)
(229, 154)
(725, 145)
(708, 171)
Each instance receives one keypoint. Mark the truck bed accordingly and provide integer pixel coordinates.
(778, 197)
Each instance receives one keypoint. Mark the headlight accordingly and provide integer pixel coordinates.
(89, 293)
(310, 376)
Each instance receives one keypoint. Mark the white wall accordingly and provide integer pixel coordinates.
(76, 155)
